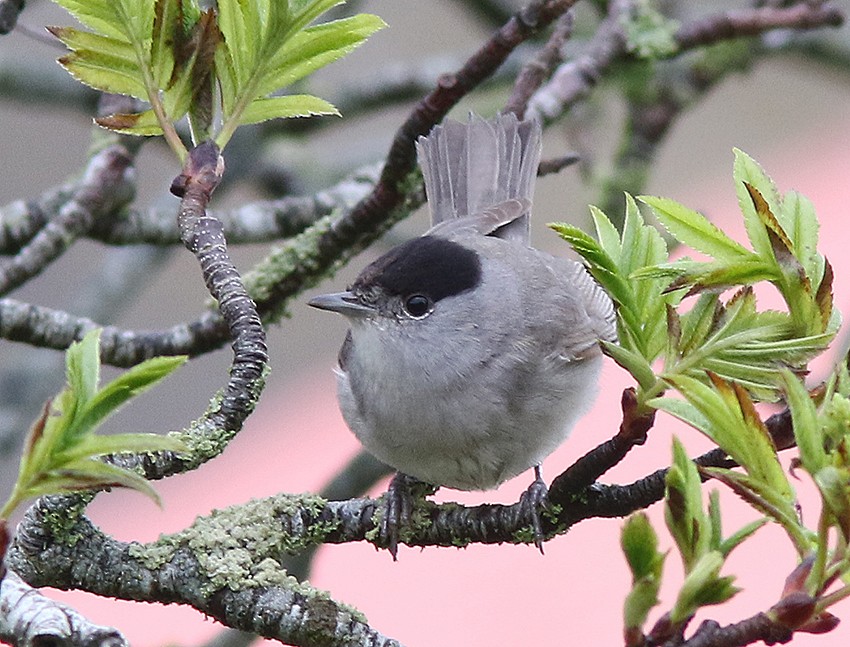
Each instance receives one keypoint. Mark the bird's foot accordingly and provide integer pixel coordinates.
(399, 501)
(531, 503)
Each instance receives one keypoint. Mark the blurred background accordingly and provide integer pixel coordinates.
(788, 110)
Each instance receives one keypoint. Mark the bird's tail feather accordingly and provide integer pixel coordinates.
(471, 166)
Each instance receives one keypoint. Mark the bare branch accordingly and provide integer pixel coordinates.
(107, 184)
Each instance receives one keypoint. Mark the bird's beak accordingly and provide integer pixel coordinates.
(345, 303)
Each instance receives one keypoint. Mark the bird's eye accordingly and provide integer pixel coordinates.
(417, 306)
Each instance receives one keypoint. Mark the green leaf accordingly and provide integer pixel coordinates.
(703, 586)
(807, 430)
(306, 11)
(726, 414)
(737, 538)
(61, 449)
(767, 500)
(105, 72)
(698, 277)
(165, 38)
(834, 486)
(683, 510)
(96, 445)
(76, 39)
(640, 546)
(89, 474)
(82, 369)
(600, 265)
(126, 386)
(798, 217)
(99, 15)
(699, 322)
(263, 51)
(293, 105)
(693, 229)
(313, 48)
(634, 363)
(747, 170)
(606, 232)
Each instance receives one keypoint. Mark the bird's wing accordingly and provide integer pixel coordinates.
(485, 223)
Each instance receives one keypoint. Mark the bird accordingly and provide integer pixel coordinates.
(470, 355)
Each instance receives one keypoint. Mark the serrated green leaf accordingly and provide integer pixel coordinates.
(693, 229)
(98, 15)
(698, 277)
(725, 413)
(313, 48)
(600, 265)
(699, 322)
(292, 105)
(747, 170)
(767, 500)
(233, 21)
(105, 73)
(138, 123)
(834, 486)
(800, 221)
(87, 474)
(807, 431)
(606, 232)
(165, 39)
(306, 11)
(77, 39)
(739, 536)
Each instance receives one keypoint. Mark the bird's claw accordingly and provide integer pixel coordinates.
(531, 503)
(398, 510)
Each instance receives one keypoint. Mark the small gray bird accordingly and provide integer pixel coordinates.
(470, 354)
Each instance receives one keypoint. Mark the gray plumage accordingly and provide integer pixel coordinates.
(471, 354)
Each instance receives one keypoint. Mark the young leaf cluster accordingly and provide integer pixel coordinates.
(62, 451)
(725, 413)
(221, 66)
(729, 337)
(699, 540)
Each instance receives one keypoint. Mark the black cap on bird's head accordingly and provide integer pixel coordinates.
(417, 274)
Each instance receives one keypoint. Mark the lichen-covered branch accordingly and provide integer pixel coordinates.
(225, 565)
(202, 234)
(28, 619)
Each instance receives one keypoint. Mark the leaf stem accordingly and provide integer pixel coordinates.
(817, 576)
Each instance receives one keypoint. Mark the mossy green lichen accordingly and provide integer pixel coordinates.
(63, 520)
(649, 33)
(240, 547)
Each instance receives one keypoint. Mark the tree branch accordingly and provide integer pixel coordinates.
(107, 185)
(28, 619)
(225, 565)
